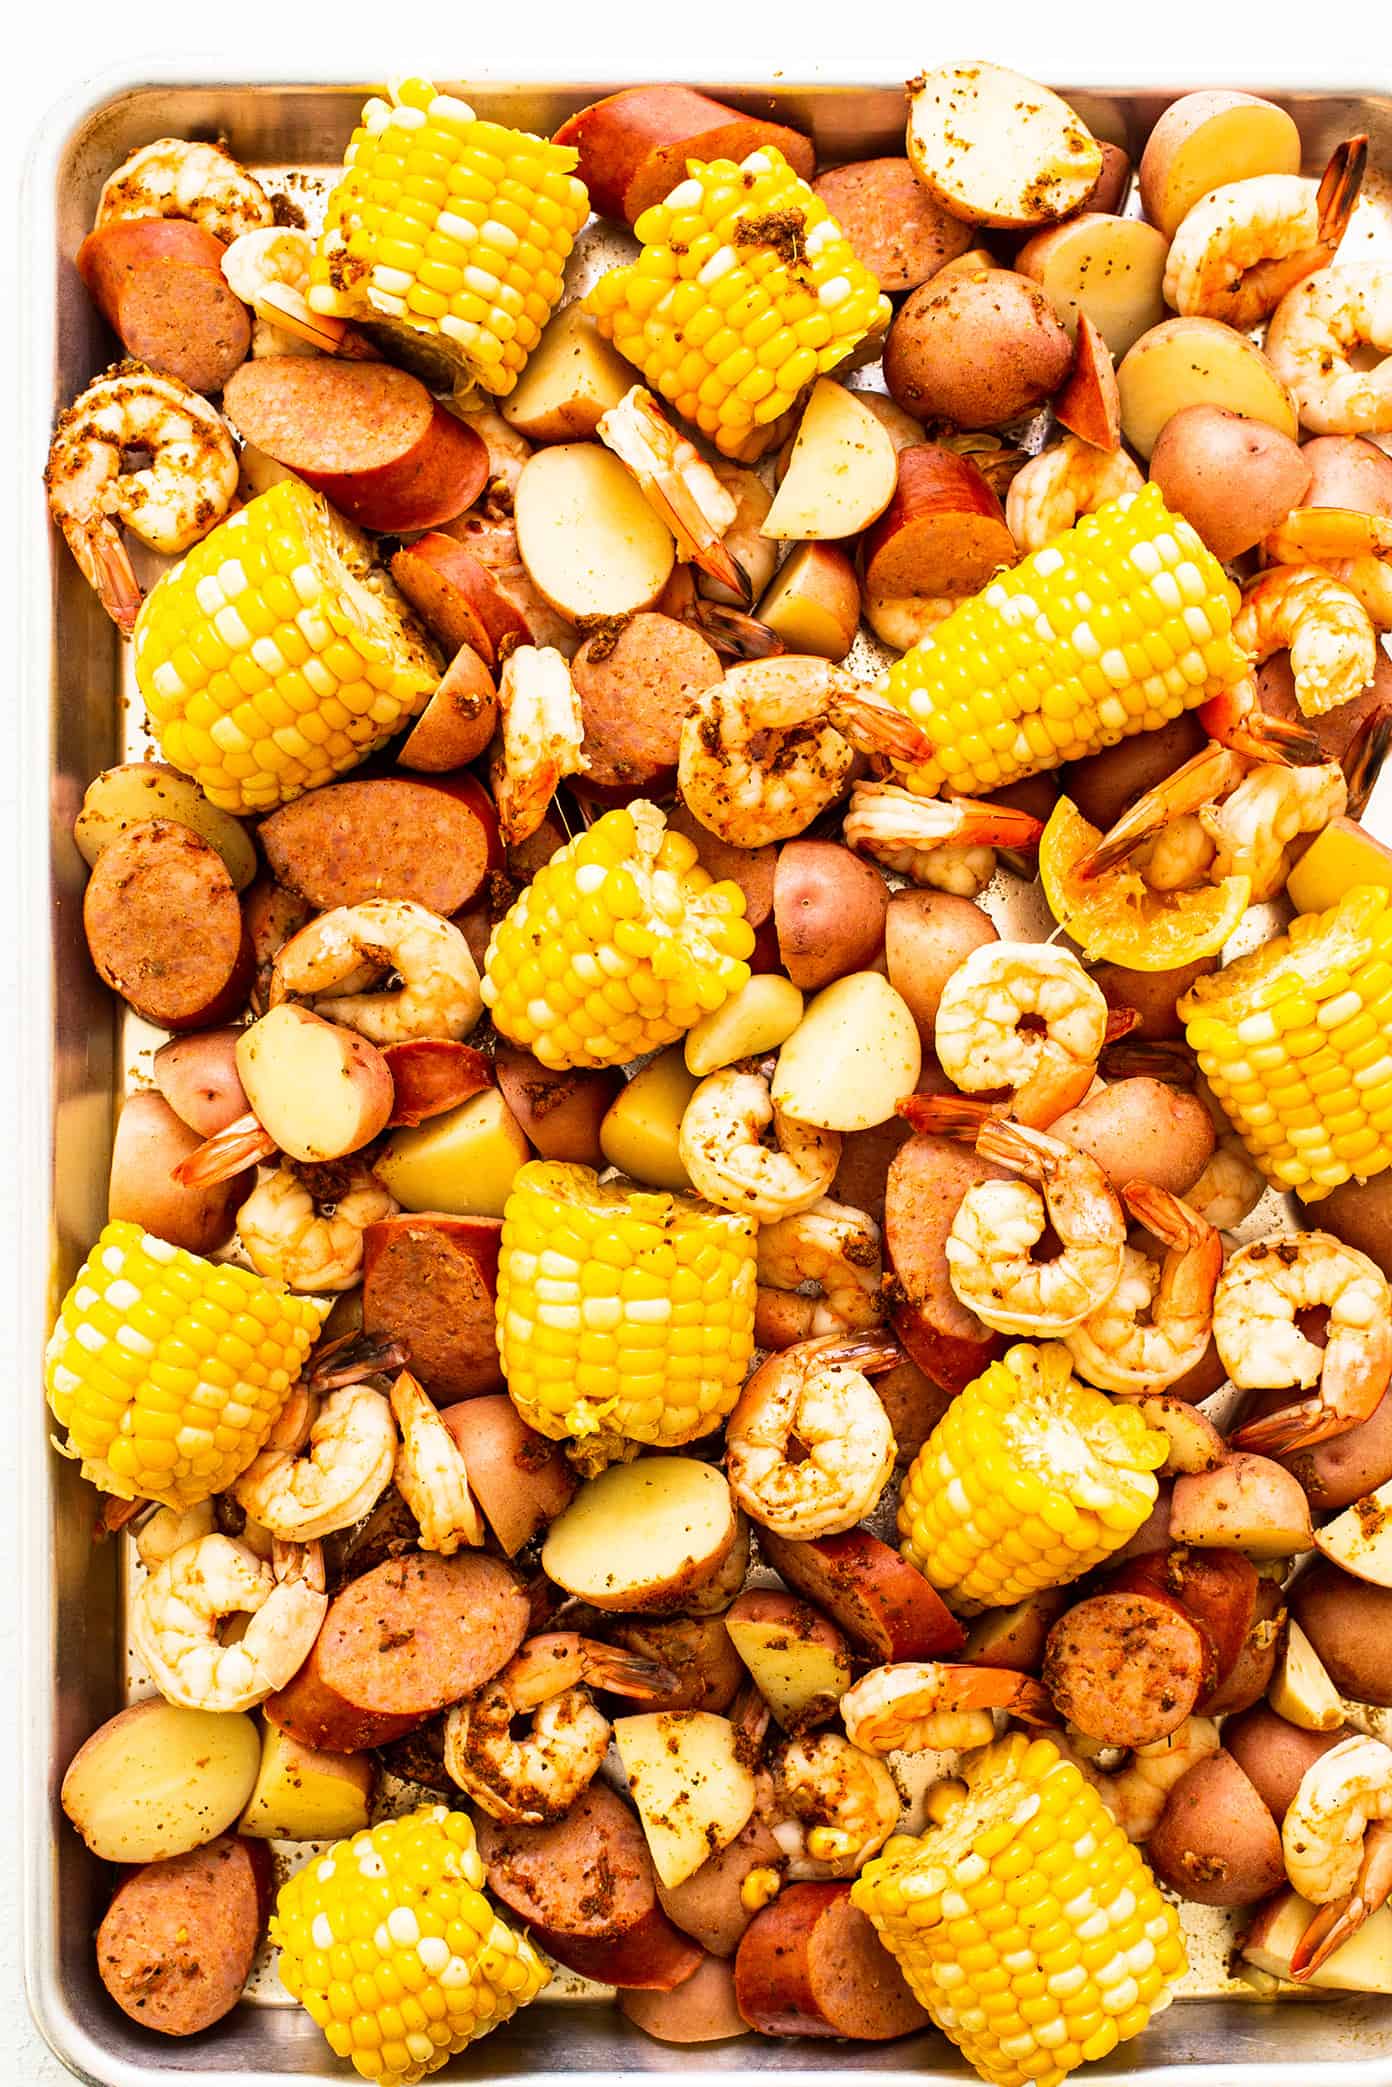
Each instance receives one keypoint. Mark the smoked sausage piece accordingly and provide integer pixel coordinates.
(177, 1942)
(1126, 1669)
(892, 222)
(634, 146)
(651, 1956)
(587, 1876)
(388, 838)
(635, 688)
(158, 283)
(164, 926)
(812, 1965)
(430, 1281)
(874, 1594)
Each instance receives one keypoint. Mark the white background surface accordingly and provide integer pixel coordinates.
(55, 46)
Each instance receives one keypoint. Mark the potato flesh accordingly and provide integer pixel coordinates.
(122, 797)
(762, 1015)
(641, 1532)
(1301, 1691)
(589, 540)
(1363, 1964)
(461, 1162)
(854, 1057)
(1112, 268)
(1360, 1539)
(692, 1790)
(302, 1795)
(573, 377)
(1245, 1503)
(996, 149)
(814, 603)
(641, 1126)
(1205, 141)
(158, 1780)
(841, 474)
(793, 1674)
(318, 1090)
(1197, 362)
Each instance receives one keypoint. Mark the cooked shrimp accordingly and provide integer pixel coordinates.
(834, 1806)
(923, 1704)
(531, 1780)
(1155, 1326)
(678, 484)
(351, 1455)
(903, 620)
(829, 1244)
(980, 1041)
(269, 270)
(948, 844)
(1243, 246)
(1313, 344)
(169, 1529)
(540, 733)
(309, 1242)
(430, 1472)
(1229, 1188)
(183, 177)
(719, 1144)
(1049, 493)
(1354, 549)
(1255, 1313)
(177, 1614)
(1235, 718)
(1337, 1841)
(169, 501)
(329, 962)
(815, 1396)
(1333, 646)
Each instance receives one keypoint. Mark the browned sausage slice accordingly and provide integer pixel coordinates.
(178, 1940)
(164, 926)
(634, 146)
(653, 1956)
(892, 222)
(431, 1281)
(389, 838)
(458, 722)
(158, 283)
(635, 687)
(1126, 1669)
(874, 1594)
(588, 1875)
(812, 1965)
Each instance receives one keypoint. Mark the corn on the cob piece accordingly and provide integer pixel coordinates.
(1026, 1922)
(621, 1309)
(451, 233)
(620, 943)
(274, 657)
(168, 1371)
(390, 1945)
(745, 290)
(1295, 1039)
(1029, 1480)
(1115, 627)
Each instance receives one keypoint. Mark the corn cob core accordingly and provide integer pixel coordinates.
(274, 657)
(168, 1371)
(745, 290)
(450, 232)
(1115, 627)
(621, 1308)
(619, 944)
(1026, 1922)
(1029, 1480)
(1295, 1039)
(392, 1948)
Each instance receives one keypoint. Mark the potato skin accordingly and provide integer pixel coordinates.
(927, 935)
(1142, 1130)
(1349, 1623)
(1217, 1842)
(1234, 479)
(1152, 994)
(1274, 1754)
(829, 911)
(1336, 1473)
(977, 350)
(1108, 784)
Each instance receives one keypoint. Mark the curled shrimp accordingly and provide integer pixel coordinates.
(178, 1612)
(531, 1780)
(169, 1529)
(920, 1705)
(1244, 245)
(720, 1146)
(981, 1043)
(184, 177)
(817, 1396)
(430, 1472)
(1333, 646)
(1155, 1326)
(678, 484)
(1229, 1188)
(1259, 1297)
(351, 1454)
(329, 962)
(833, 1806)
(185, 484)
(309, 1241)
(1049, 493)
(829, 1244)
(541, 731)
(1353, 548)
(947, 844)
(1337, 1841)
(268, 268)
(1313, 344)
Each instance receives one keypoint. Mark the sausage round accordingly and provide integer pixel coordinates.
(589, 1875)
(431, 1282)
(458, 722)
(635, 688)
(811, 1964)
(177, 1942)
(1125, 1668)
(652, 1956)
(164, 926)
(634, 146)
(892, 222)
(874, 1594)
(928, 1177)
(388, 838)
(158, 283)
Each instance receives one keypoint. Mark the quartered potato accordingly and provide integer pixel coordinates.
(995, 149)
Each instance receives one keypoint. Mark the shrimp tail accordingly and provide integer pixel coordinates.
(732, 633)
(946, 1115)
(1299, 1426)
(1334, 1924)
(1339, 188)
(1144, 1057)
(628, 1674)
(242, 1144)
(1363, 759)
(1236, 719)
(354, 1356)
(1198, 782)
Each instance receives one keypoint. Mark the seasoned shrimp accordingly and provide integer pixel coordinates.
(540, 734)
(1353, 548)
(330, 961)
(767, 749)
(981, 1043)
(311, 1242)
(947, 844)
(531, 1780)
(430, 1472)
(1314, 340)
(183, 177)
(1155, 1326)
(678, 484)
(1255, 1326)
(1049, 493)
(169, 501)
(1229, 1188)
(816, 1396)
(169, 1529)
(269, 270)
(1337, 1842)
(719, 1144)
(831, 1245)
(1243, 246)
(1333, 646)
(834, 1806)
(178, 1611)
(924, 1704)
(351, 1456)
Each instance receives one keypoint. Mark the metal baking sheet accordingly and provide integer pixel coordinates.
(82, 1053)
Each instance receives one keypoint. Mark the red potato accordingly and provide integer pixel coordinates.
(1108, 784)
(559, 1110)
(520, 1480)
(1207, 139)
(635, 686)
(829, 911)
(892, 222)
(164, 927)
(1126, 1669)
(590, 540)
(149, 1143)
(1217, 1843)
(813, 605)
(1015, 1637)
(392, 837)
(943, 532)
(1348, 471)
(1089, 405)
(701, 2010)
(709, 1904)
(1249, 1677)
(458, 722)
(366, 435)
(946, 1358)
(1274, 1754)
(1349, 1624)
(1143, 1130)
(197, 1075)
(177, 1943)
(430, 1282)
(159, 285)
(318, 1091)
(870, 1591)
(1233, 478)
(799, 1662)
(753, 869)
(1336, 1473)
(976, 350)
(927, 935)
(1154, 1532)
(651, 1956)
(1248, 1504)
(812, 1965)
(696, 1649)
(634, 146)
(1108, 192)
(588, 1876)
(431, 1074)
(1151, 994)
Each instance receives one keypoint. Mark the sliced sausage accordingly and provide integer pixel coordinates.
(708, 1904)
(589, 1875)
(164, 926)
(490, 538)
(892, 222)
(1217, 1590)
(634, 146)
(812, 1965)
(701, 2010)
(1249, 1676)
(431, 1282)
(398, 1644)
(389, 838)
(366, 435)
(158, 283)
(431, 1074)
(177, 1943)
(928, 1177)
(1125, 1668)
(272, 915)
(874, 1594)
(651, 1956)
(458, 722)
(635, 688)
(419, 1757)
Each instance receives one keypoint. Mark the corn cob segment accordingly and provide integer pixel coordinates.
(1026, 1922)
(275, 657)
(168, 1371)
(1028, 1481)
(619, 944)
(1115, 627)
(1295, 1039)
(449, 232)
(389, 1944)
(621, 1309)
(745, 290)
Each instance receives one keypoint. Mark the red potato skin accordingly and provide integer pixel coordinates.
(165, 929)
(431, 1280)
(652, 1956)
(560, 1109)
(812, 1965)
(588, 1876)
(1089, 405)
(804, 872)
(159, 285)
(432, 839)
(870, 1591)
(943, 532)
(178, 1940)
(458, 722)
(198, 1077)
(1274, 1754)
(945, 1358)
(458, 597)
(431, 1074)
(521, 1480)
(150, 1142)
(1320, 1595)
(1125, 1668)
(634, 146)
(1334, 1474)
(1217, 1842)
(702, 2009)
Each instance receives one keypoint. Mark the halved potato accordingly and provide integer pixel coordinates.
(642, 1125)
(319, 1090)
(1360, 1539)
(157, 1780)
(814, 603)
(1242, 1503)
(139, 790)
(1363, 1964)
(302, 1795)
(1112, 268)
(1301, 1691)
(640, 1534)
(1203, 141)
(800, 1663)
(853, 1058)
(461, 1162)
(573, 376)
(841, 473)
(693, 1790)
(1197, 362)
(1195, 1444)
(590, 541)
(996, 149)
